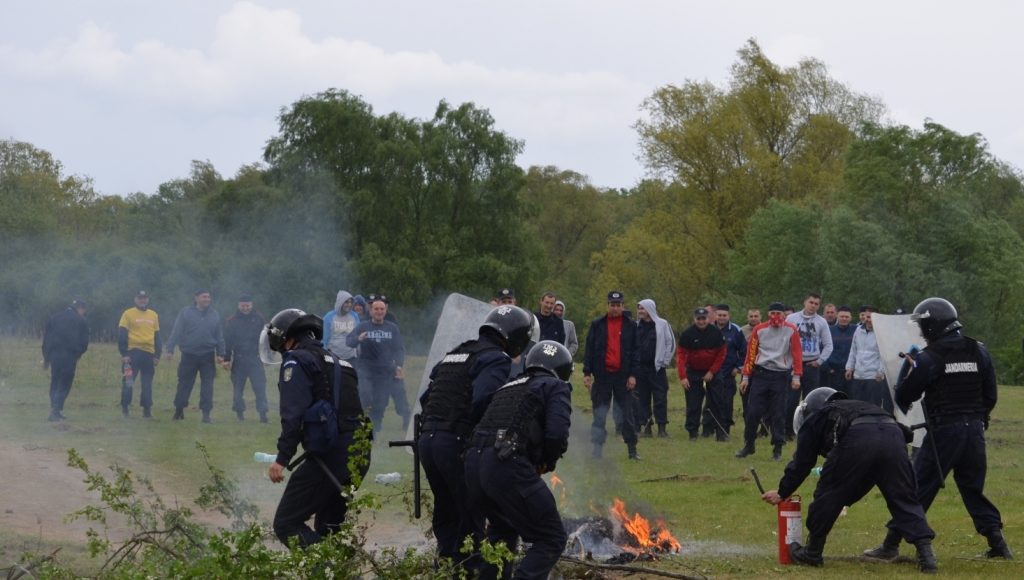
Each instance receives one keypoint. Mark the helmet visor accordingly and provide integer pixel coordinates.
(268, 355)
(798, 417)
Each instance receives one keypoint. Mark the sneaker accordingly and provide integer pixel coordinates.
(206, 417)
(55, 416)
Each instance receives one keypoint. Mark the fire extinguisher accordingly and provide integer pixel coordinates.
(791, 526)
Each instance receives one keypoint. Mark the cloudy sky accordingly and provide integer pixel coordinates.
(129, 92)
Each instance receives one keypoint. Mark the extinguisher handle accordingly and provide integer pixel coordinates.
(757, 480)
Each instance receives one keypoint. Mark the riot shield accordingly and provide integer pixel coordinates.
(896, 334)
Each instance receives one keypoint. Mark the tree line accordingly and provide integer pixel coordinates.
(779, 182)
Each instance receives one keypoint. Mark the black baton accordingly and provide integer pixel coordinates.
(414, 443)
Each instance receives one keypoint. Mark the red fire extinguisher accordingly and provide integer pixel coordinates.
(791, 526)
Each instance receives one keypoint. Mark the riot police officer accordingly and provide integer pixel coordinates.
(461, 386)
(863, 446)
(523, 433)
(956, 374)
(322, 483)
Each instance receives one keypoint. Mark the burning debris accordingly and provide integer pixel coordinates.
(619, 538)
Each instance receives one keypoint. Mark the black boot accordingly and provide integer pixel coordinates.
(748, 449)
(633, 454)
(263, 418)
(926, 557)
(777, 453)
(661, 430)
(179, 414)
(809, 555)
(889, 550)
(146, 413)
(206, 417)
(997, 547)
(239, 414)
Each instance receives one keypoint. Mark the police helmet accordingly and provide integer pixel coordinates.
(290, 323)
(515, 326)
(935, 317)
(551, 357)
(813, 402)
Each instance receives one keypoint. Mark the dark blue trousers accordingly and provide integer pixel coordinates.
(190, 365)
(810, 380)
(961, 445)
(518, 504)
(441, 456)
(143, 369)
(605, 388)
(62, 374)
(652, 397)
(310, 491)
(766, 401)
(867, 456)
(248, 368)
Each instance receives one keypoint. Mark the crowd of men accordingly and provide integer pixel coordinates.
(360, 330)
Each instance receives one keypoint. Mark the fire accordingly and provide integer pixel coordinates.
(640, 531)
(558, 488)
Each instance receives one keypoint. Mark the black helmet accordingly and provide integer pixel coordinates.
(289, 323)
(551, 357)
(515, 326)
(935, 317)
(815, 401)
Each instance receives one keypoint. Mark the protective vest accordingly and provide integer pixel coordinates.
(451, 392)
(841, 416)
(348, 406)
(516, 415)
(958, 388)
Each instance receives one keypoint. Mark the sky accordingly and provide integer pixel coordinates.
(128, 93)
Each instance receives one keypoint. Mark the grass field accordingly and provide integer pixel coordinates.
(706, 496)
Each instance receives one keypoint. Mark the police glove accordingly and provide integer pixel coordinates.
(552, 451)
(986, 420)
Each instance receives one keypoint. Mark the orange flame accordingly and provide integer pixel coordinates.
(640, 530)
(555, 481)
(559, 485)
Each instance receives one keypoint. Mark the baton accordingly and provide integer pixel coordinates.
(414, 444)
(306, 455)
(757, 480)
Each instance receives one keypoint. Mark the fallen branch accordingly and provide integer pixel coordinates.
(633, 569)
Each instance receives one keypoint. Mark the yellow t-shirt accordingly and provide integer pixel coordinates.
(142, 326)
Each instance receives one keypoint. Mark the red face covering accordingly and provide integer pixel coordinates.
(775, 319)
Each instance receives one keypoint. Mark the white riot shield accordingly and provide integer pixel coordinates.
(460, 321)
(896, 334)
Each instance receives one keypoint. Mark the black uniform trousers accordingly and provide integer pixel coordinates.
(248, 368)
(767, 392)
(961, 445)
(190, 365)
(717, 413)
(809, 380)
(310, 491)
(652, 397)
(441, 455)
(143, 369)
(62, 374)
(869, 455)
(517, 504)
(606, 387)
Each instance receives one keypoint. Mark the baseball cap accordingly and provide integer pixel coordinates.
(506, 293)
(142, 294)
(615, 296)
(777, 306)
(700, 313)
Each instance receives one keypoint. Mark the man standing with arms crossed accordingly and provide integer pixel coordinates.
(138, 341)
(816, 341)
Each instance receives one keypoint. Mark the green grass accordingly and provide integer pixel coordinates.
(709, 499)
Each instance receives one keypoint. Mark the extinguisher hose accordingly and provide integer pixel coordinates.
(757, 480)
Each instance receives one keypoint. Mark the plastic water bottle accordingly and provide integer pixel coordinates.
(816, 471)
(261, 457)
(388, 478)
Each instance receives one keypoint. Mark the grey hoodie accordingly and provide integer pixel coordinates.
(666, 349)
(337, 326)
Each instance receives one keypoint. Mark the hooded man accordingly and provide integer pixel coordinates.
(338, 324)
(655, 347)
(571, 341)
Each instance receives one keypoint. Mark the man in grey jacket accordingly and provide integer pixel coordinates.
(199, 335)
(571, 342)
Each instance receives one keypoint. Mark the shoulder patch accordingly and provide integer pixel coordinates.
(286, 374)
